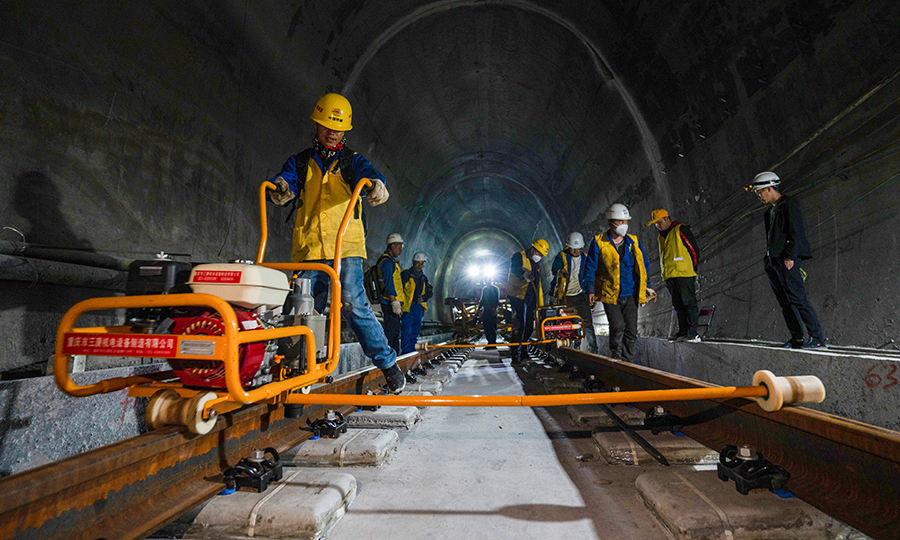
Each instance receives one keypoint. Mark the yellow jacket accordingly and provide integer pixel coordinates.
(320, 210)
(674, 257)
(517, 286)
(606, 276)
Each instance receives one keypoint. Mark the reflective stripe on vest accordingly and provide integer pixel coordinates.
(320, 211)
(674, 257)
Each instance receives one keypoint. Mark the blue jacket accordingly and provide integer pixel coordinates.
(627, 268)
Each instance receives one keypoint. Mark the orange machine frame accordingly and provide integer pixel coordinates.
(224, 348)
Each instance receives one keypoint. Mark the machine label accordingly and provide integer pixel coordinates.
(119, 345)
(217, 276)
(196, 347)
(562, 327)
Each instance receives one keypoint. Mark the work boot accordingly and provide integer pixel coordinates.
(395, 379)
(813, 343)
(792, 344)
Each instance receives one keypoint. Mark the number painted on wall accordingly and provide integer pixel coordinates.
(884, 375)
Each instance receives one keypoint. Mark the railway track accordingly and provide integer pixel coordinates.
(128, 490)
(847, 469)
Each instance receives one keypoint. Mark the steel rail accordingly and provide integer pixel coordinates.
(131, 488)
(847, 469)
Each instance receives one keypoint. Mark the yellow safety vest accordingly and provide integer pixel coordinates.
(398, 283)
(516, 286)
(562, 280)
(320, 211)
(674, 257)
(606, 281)
(409, 291)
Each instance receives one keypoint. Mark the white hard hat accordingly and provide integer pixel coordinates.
(394, 238)
(576, 241)
(420, 257)
(763, 180)
(618, 211)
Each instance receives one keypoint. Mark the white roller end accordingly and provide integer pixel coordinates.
(788, 390)
(421, 346)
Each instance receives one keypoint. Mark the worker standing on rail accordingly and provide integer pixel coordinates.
(525, 294)
(393, 296)
(490, 299)
(417, 291)
(786, 246)
(320, 181)
(679, 256)
(616, 264)
(568, 273)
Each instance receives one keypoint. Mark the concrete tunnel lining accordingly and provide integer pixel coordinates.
(604, 70)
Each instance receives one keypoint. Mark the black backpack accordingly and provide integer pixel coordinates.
(373, 281)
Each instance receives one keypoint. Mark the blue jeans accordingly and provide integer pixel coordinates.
(361, 318)
(412, 325)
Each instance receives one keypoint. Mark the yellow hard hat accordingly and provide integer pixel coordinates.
(334, 112)
(541, 245)
(658, 214)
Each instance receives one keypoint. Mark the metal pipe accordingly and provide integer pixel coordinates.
(63, 255)
(18, 268)
(645, 396)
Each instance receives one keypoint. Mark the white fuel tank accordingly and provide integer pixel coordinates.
(241, 284)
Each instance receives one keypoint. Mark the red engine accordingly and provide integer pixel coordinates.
(211, 374)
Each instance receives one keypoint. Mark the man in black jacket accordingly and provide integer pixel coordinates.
(786, 246)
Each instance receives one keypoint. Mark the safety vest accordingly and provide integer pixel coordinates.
(562, 280)
(674, 257)
(606, 282)
(517, 286)
(398, 283)
(409, 292)
(320, 211)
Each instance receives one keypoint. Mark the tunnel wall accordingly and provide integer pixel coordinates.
(807, 89)
(130, 130)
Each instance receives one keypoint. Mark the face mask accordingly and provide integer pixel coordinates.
(536, 258)
(622, 229)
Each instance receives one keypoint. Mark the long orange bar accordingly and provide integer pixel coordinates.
(644, 396)
(470, 345)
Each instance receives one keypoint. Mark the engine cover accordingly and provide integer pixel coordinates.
(211, 373)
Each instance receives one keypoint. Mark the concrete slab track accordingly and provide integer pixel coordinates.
(496, 473)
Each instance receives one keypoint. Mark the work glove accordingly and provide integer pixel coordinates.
(378, 194)
(527, 275)
(396, 307)
(651, 295)
(282, 194)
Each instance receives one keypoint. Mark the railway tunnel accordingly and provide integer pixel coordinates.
(147, 127)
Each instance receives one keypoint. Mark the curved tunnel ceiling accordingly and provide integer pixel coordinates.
(495, 114)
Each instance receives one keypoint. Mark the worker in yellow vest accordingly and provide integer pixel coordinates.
(616, 275)
(319, 181)
(679, 256)
(393, 295)
(568, 271)
(524, 291)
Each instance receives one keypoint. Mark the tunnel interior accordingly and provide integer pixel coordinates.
(135, 129)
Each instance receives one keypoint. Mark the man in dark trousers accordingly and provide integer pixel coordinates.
(490, 299)
(524, 291)
(679, 256)
(786, 246)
